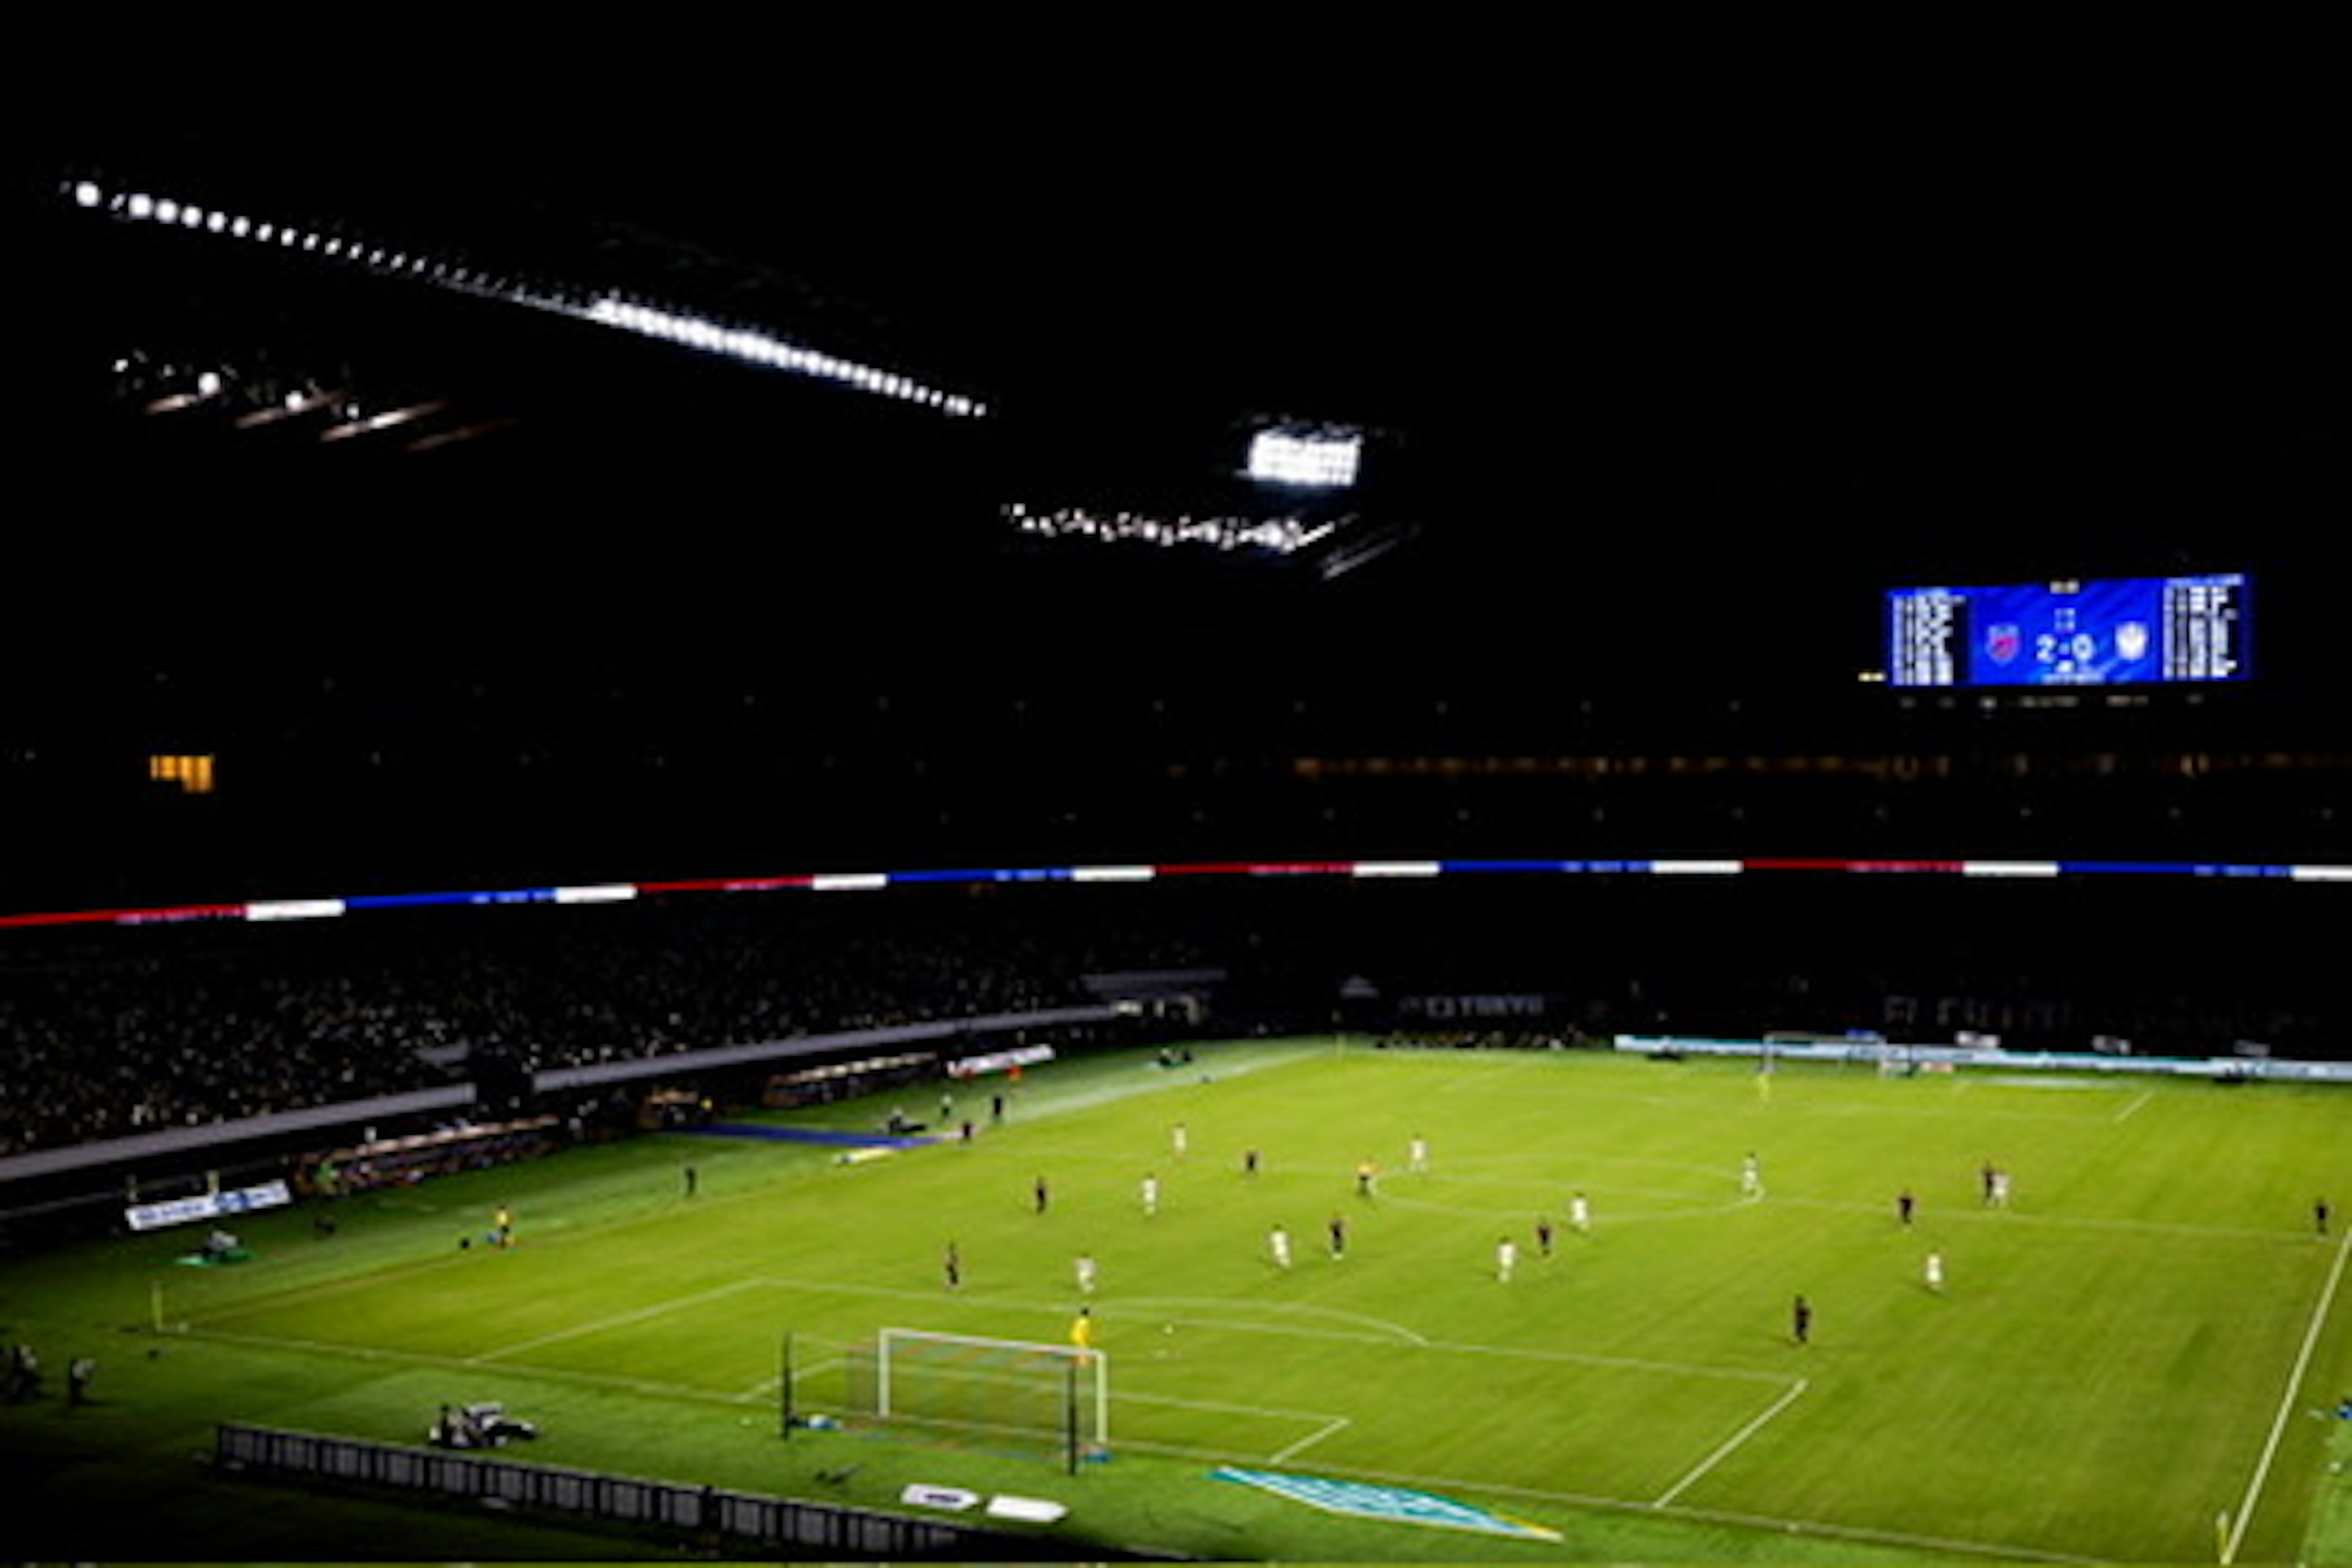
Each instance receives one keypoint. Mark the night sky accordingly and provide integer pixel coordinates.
(1664, 363)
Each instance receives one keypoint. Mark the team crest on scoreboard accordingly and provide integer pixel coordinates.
(2002, 640)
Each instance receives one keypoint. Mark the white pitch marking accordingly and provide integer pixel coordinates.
(2137, 1100)
(619, 1320)
(2286, 1403)
(1730, 1444)
(1283, 1455)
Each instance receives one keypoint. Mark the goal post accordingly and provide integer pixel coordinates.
(1018, 1392)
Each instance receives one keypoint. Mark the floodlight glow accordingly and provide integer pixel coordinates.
(683, 328)
(1318, 462)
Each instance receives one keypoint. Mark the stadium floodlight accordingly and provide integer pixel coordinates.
(682, 327)
(1326, 458)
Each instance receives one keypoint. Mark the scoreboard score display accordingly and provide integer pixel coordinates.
(2109, 631)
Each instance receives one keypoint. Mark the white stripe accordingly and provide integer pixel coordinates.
(294, 909)
(1111, 874)
(1396, 868)
(850, 881)
(1283, 1455)
(599, 893)
(1730, 1444)
(618, 1321)
(2009, 868)
(1694, 868)
(2286, 1404)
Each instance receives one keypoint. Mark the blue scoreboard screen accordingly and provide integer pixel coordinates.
(2108, 631)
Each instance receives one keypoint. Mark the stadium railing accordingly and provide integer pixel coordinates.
(795, 1528)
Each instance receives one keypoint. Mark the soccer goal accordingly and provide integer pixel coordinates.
(1051, 1398)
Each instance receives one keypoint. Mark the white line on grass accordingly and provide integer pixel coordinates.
(1730, 1444)
(2286, 1404)
(768, 1386)
(2142, 1098)
(1325, 1422)
(618, 1321)
(1283, 1455)
(417, 1358)
(1384, 1332)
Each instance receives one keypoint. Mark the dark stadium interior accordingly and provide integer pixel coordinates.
(1654, 429)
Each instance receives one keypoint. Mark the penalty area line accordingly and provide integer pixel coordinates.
(1283, 1455)
(1730, 1444)
(618, 1321)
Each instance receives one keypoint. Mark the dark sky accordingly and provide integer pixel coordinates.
(1645, 343)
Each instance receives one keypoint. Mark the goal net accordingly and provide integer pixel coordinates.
(1050, 1399)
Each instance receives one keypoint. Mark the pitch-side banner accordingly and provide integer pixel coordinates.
(206, 1205)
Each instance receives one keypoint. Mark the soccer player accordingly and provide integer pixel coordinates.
(1150, 1195)
(1416, 1155)
(951, 1266)
(1082, 1329)
(1934, 1272)
(1179, 1140)
(1751, 1177)
(1337, 1229)
(1543, 1236)
(1278, 1241)
(1903, 1203)
(1579, 1214)
(1801, 1322)
(2319, 1215)
(502, 1228)
(1039, 1194)
(1085, 1272)
(1249, 1162)
(1507, 1258)
(2000, 1198)
(1365, 1172)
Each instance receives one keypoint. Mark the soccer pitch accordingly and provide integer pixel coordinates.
(2125, 1362)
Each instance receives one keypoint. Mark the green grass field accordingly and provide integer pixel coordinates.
(2125, 1364)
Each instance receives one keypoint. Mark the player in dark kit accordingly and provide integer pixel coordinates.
(1801, 1322)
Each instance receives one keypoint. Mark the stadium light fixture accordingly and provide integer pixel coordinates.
(1324, 458)
(685, 328)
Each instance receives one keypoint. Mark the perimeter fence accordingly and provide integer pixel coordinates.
(792, 1528)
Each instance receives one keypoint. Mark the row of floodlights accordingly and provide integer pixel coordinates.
(603, 307)
(1275, 535)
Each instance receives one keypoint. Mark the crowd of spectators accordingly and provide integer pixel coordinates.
(113, 1033)
(136, 1031)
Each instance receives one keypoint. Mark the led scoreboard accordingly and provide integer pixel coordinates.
(2109, 631)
